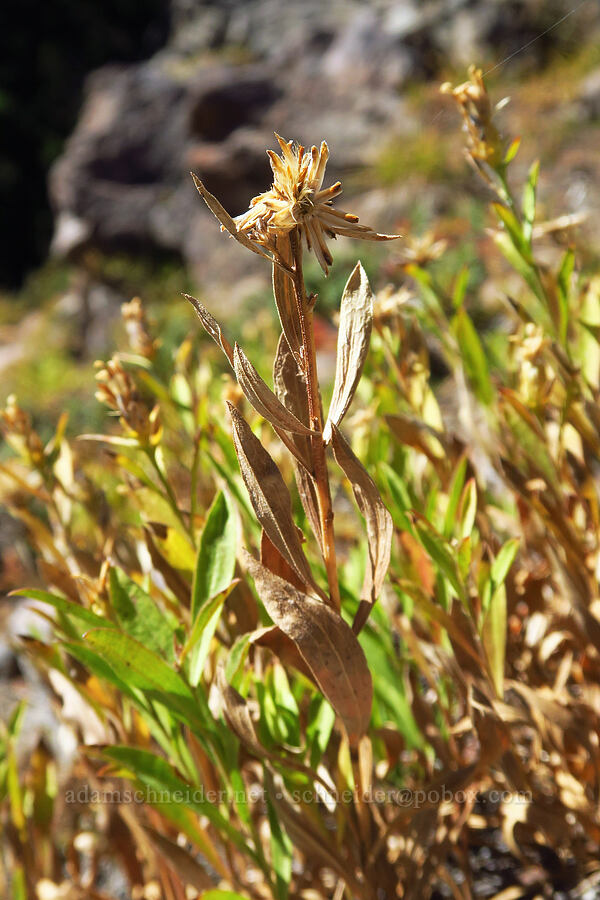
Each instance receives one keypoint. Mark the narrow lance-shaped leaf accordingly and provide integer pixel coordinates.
(380, 527)
(262, 397)
(270, 497)
(356, 318)
(325, 641)
(179, 860)
(494, 637)
(212, 327)
(215, 563)
(290, 387)
(228, 223)
(237, 714)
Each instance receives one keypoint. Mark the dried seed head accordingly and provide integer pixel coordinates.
(536, 377)
(137, 329)
(20, 434)
(119, 391)
(296, 200)
(484, 143)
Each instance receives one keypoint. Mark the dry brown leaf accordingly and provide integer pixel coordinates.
(306, 836)
(237, 713)
(327, 644)
(380, 528)
(356, 318)
(262, 397)
(212, 327)
(179, 860)
(272, 560)
(228, 223)
(291, 390)
(290, 387)
(270, 497)
(282, 647)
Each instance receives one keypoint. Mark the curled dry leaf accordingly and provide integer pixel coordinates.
(380, 528)
(356, 319)
(228, 224)
(290, 387)
(212, 327)
(326, 643)
(262, 397)
(180, 861)
(313, 841)
(282, 647)
(270, 497)
(237, 713)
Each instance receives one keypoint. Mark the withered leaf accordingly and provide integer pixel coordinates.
(305, 834)
(290, 387)
(179, 860)
(356, 319)
(262, 397)
(282, 647)
(325, 641)
(270, 497)
(285, 300)
(272, 560)
(228, 223)
(212, 327)
(380, 527)
(237, 713)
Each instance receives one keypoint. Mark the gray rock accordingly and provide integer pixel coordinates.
(236, 70)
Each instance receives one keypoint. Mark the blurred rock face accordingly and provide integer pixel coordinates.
(231, 74)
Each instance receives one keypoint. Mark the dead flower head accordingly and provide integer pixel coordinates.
(138, 332)
(476, 108)
(19, 433)
(296, 199)
(119, 391)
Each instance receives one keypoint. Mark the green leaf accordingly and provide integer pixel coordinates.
(468, 509)
(440, 551)
(15, 721)
(504, 560)
(164, 785)
(100, 668)
(281, 852)
(203, 631)
(527, 271)
(321, 719)
(564, 292)
(139, 615)
(460, 287)
(529, 201)
(456, 486)
(221, 895)
(234, 667)
(514, 230)
(400, 498)
(512, 151)
(19, 885)
(137, 666)
(215, 563)
(67, 607)
(494, 637)
(473, 356)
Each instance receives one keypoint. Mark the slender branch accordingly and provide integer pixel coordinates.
(305, 315)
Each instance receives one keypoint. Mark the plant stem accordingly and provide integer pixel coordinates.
(321, 475)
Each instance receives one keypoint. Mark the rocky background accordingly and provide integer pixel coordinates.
(233, 71)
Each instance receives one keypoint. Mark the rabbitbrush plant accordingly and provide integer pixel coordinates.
(269, 718)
